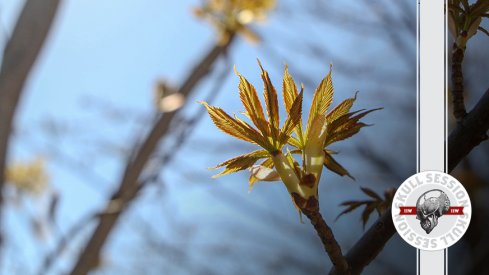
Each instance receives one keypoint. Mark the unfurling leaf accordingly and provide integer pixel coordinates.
(474, 27)
(369, 209)
(342, 109)
(377, 203)
(262, 173)
(271, 101)
(251, 102)
(323, 96)
(236, 127)
(289, 90)
(350, 206)
(290, 94)
(370, 193)
(293, 119)
(241, 162)
(334, 166)
(322, 129)
(346, 126)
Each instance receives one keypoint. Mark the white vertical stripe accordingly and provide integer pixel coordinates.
(431, 107)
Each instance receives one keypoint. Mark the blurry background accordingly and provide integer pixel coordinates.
(471, 255)
(90, 100)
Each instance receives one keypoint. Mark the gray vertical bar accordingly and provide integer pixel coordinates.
(431, 108)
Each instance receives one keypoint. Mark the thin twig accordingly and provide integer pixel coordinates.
(49, 260)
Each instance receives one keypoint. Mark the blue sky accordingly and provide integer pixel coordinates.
(113, 52)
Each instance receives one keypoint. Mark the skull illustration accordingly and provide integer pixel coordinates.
(430, 206)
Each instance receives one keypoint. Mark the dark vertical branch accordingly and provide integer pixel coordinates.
(130, 185)
(469, 133)
(458, 83)
(19, 56)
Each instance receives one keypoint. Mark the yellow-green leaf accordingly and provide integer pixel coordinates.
(323, 96)
(267, 163)
(294, 142)
(240, 162)
(289, 90)
(342, 108)
(346, 126)
(293, 118)
(346, 132)
(334, 166)
(263, 141)
(251, 102)
(271, 101)
(262, 173)
(235, 127)
(290, 93)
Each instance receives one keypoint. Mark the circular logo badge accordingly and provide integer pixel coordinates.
(431, 210)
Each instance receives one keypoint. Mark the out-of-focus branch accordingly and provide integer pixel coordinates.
(130, 184)
(469, 133)
(61, 246)
(19, 55)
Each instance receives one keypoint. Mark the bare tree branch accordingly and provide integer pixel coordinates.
(63, 243)
(469, 133)
(19, 56)
(130, 185)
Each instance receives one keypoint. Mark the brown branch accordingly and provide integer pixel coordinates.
(469, 133)
(458, 82)
(19, 55)
(329, 242)
(130, 185)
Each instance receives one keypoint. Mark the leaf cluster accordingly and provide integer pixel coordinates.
(323, 128)
(235, 16)
(464, 19)
(375, 203)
